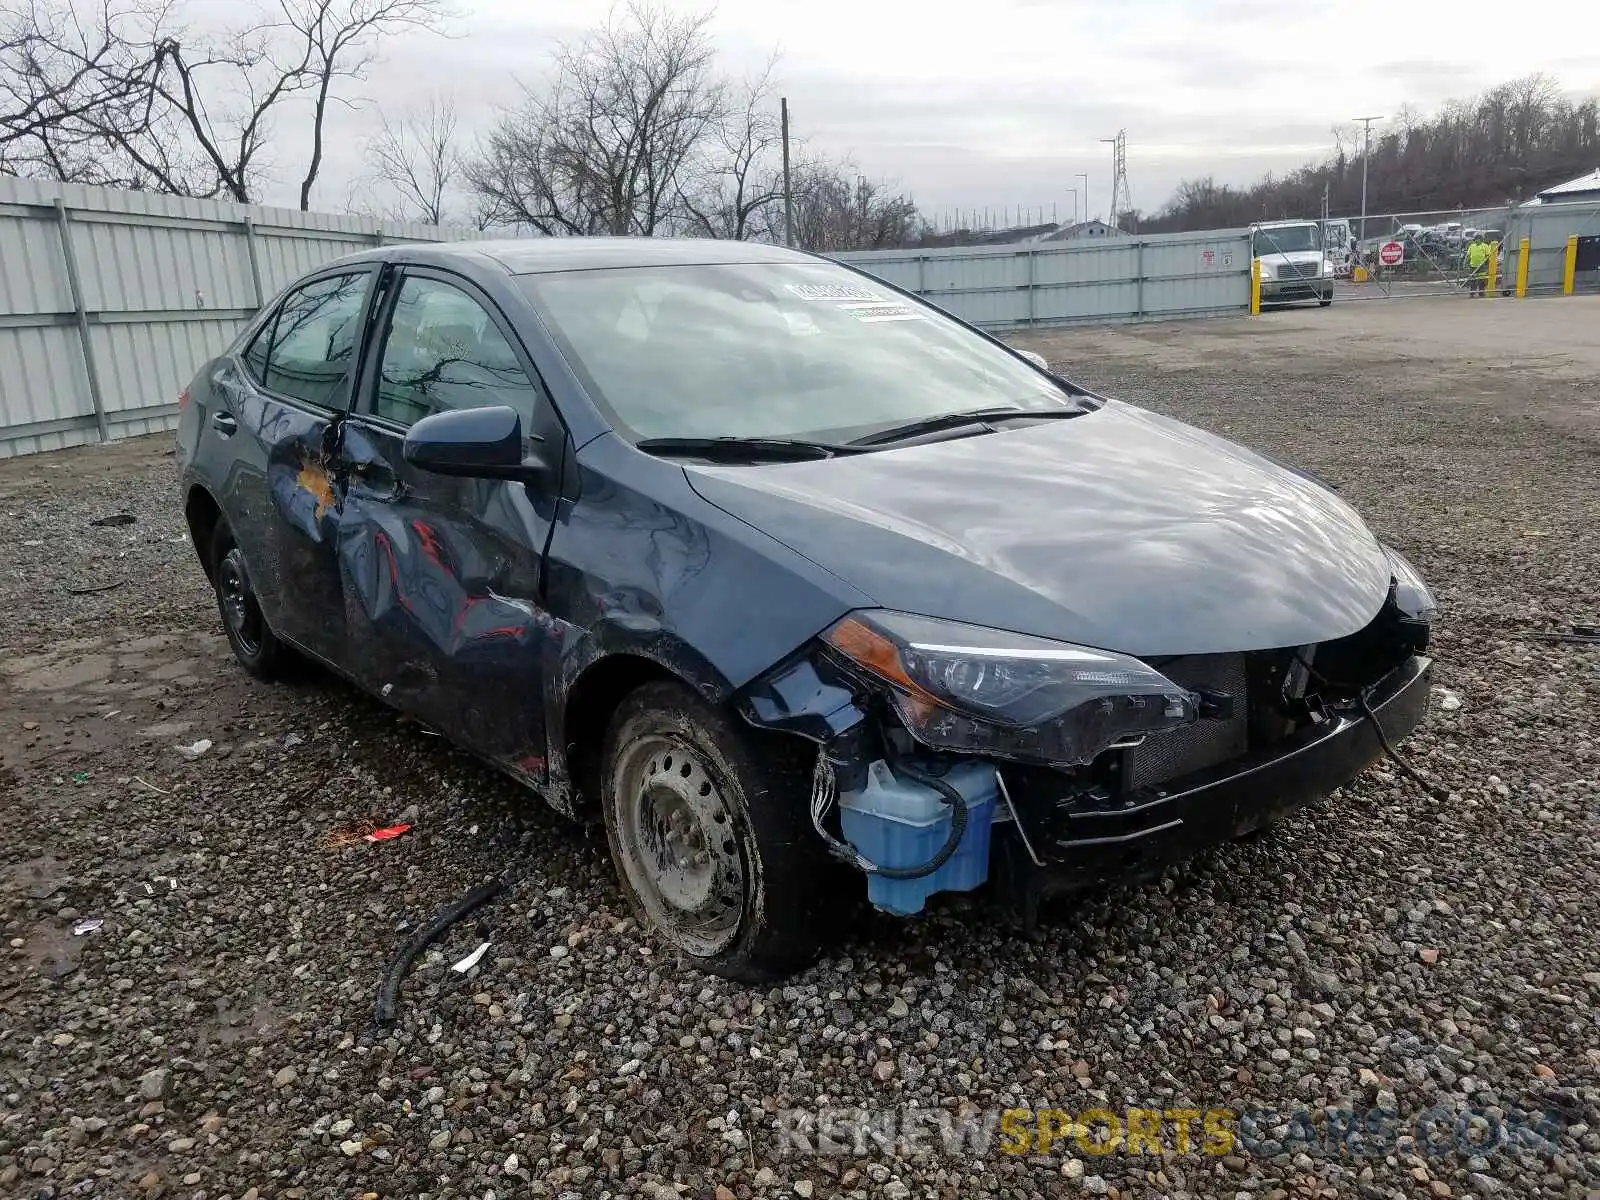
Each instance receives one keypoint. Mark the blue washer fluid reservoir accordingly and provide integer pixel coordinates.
(898, 822)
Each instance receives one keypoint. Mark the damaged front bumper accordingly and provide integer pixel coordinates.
(1063, 841)
(1058, 831)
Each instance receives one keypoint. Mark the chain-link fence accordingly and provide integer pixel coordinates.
(1468, 252)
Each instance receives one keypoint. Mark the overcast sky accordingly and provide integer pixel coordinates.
(1001, 102)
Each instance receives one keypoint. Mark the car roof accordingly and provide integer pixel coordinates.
(529, 256)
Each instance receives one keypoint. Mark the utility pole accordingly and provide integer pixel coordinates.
(1366, 153)
(788, 192)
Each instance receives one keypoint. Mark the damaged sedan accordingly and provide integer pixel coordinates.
(803, 587)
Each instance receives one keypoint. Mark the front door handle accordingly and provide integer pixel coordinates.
(225, 424)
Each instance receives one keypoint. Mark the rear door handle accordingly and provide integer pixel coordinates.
(225, 424)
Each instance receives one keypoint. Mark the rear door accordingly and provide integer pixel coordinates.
(277, 408)
(444, 576)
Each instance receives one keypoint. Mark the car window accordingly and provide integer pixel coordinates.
(443, 351)
(770, 350)
(309, 348)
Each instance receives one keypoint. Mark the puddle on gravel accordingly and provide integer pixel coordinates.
(51, 950)
(35, 878)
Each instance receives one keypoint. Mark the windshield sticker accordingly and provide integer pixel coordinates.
(834, 291)
(883, 310)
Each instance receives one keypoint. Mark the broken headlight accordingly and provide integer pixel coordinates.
(971, 690)
(1411, 594)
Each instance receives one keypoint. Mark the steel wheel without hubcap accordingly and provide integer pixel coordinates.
(239, 607)
(678, 843)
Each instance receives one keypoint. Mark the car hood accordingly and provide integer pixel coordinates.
(1292, 256)
(1120, 529)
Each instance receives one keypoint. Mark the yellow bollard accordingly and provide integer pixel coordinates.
(1358, 275)
(1492, 286)
(1522, 269)
(1569, 272)
(1255, 287)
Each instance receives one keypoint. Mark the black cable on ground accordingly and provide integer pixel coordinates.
(394, 976)
(1389, 751)
(1406, 769)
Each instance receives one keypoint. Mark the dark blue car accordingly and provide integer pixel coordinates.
(790, 578)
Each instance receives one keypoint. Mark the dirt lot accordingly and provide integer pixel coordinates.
(1385, 949)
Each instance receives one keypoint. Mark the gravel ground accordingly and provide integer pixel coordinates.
(213, 1037)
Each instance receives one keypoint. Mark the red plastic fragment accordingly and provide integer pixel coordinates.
(384, 834)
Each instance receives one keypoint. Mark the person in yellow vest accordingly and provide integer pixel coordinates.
(1478, 264)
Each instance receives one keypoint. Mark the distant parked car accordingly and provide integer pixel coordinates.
(787, 577)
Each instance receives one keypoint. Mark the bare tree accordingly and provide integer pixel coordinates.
(606, 146)
(740, 177)
(339, 37)
(1508, 142)
(148, 100)
(416, 158)
(66, 79)
(837, 208)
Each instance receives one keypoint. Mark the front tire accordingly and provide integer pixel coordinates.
(254, 644)
(707, 824)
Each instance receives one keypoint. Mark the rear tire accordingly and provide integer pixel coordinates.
(254, 644)
(708, 827)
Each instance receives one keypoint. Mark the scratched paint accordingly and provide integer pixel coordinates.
(303, 492)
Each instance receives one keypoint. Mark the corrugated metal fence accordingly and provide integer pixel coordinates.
(1548, 228)
(109, 300)
(1159, 277)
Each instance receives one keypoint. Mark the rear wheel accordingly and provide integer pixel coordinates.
(254, 644)
(707, 826)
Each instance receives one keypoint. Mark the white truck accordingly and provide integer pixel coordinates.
(1339, 243)
(1293, 260)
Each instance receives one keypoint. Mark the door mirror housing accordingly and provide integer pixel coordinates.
(479, 443)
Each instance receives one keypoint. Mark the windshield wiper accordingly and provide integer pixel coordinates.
(743, 449)
(955, 420)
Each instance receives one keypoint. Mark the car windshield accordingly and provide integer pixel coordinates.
(1286, 239)
(771, 350)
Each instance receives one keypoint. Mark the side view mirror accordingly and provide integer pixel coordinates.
(480, 443)
(1035, 358)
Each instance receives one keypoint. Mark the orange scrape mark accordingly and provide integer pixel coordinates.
(314, 479)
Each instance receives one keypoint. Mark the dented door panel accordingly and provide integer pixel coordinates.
(280, 495)
(443, 602)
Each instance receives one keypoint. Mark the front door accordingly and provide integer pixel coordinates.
(281, 404)
(444, 576)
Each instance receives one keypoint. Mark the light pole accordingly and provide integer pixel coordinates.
(1113, 143)
(1366, 153)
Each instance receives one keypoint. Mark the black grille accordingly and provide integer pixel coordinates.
(1205, 743)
